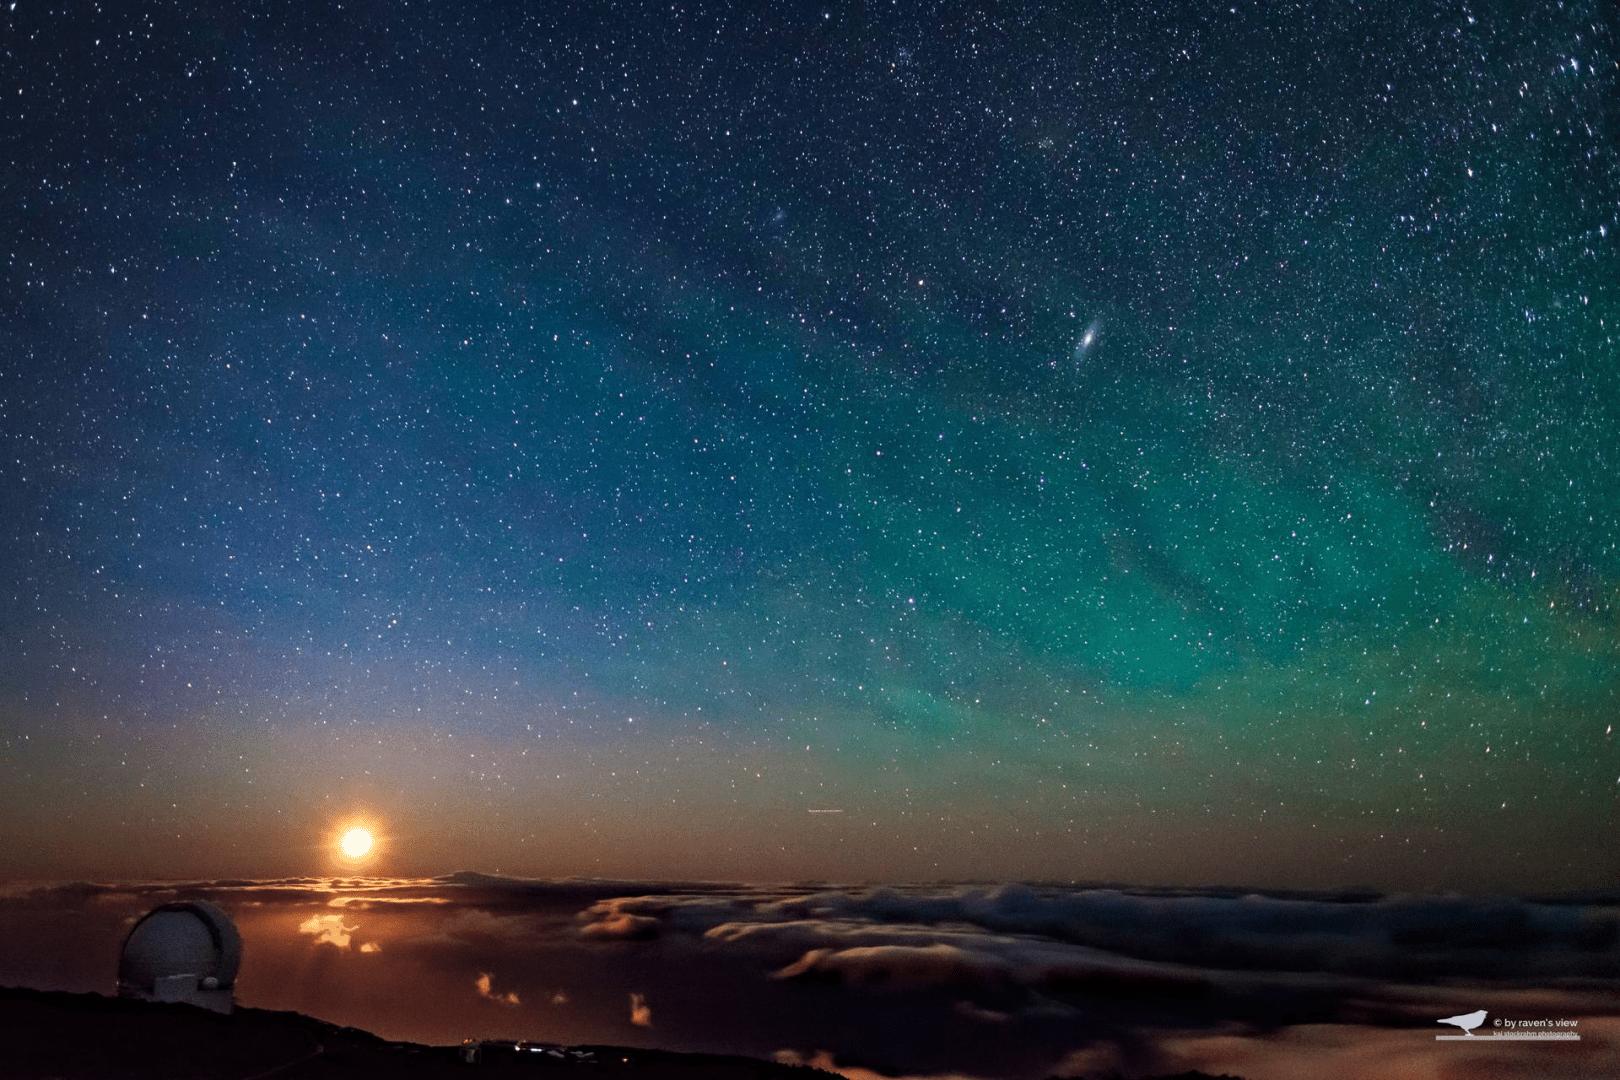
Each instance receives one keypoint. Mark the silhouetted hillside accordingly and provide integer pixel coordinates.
(58, 1036)
(46, 1035)
(1191, 1074)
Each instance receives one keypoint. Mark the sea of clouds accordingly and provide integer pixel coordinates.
(998, 981)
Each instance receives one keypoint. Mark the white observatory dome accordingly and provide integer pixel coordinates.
(188, 952)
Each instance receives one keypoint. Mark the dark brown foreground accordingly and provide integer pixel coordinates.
(55, 1036)
(46, 1036)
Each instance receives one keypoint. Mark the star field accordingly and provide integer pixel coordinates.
(1162, 445)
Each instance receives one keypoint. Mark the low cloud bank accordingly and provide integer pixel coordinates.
(1011, 981)
(485, 985)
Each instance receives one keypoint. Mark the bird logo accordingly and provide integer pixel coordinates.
(1466, 1021)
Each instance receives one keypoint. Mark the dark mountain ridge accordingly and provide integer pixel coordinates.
(52, 1035)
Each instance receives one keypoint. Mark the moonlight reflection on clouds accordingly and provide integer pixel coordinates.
(1002, 982)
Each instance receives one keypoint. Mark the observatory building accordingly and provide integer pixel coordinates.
(187, 952)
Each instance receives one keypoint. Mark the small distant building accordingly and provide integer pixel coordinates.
(188, 951)
(490, 1051)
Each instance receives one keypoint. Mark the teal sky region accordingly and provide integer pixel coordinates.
(841, 442)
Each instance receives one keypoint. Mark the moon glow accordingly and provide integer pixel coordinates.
(355, 843)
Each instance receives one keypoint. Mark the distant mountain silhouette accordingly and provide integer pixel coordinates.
(47, 1035)
(1191, 1074)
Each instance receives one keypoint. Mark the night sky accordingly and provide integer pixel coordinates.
(1169, 444)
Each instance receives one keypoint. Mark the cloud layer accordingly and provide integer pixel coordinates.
(1008, 981)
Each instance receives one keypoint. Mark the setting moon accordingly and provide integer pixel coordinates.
(356, 843)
